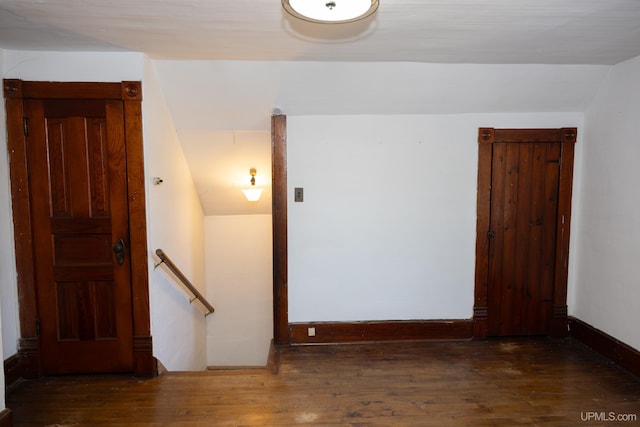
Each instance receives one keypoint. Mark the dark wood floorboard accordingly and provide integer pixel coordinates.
(529, 382)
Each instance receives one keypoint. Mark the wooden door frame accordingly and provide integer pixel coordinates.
(486, 138)
(130, 92)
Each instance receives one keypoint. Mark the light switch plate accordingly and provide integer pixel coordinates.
(298, 194)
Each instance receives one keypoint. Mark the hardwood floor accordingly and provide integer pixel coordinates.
(528, 382)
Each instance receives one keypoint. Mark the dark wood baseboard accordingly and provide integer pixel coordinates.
(613, 349)
(12, 371)
(23, 365)
(6, 418)
(396, 330)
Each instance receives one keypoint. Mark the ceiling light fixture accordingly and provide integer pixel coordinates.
(330, 11)
(253, 194)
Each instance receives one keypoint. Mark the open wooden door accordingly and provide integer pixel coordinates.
(80, 227)
(524, 203)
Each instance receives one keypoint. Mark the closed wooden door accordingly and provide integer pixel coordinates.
(524, 195)
(78, 194)
(524, 207)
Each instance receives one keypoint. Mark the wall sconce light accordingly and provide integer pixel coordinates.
(330, 11)
(253, 194)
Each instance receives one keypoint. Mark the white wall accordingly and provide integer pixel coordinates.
(239, 282)
(73, 66)
(608, 292)
(387, 227)
(176, 225)
(8, 284)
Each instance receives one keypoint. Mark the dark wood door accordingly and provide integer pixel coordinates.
(522, 240)
(78, 190)
(522, 246)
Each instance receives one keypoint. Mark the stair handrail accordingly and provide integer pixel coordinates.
(164, 259)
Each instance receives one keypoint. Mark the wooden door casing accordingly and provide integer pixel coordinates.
(550, 252)
(128, 96)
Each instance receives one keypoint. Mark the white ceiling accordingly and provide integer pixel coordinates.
(395, 62)
(444, 31)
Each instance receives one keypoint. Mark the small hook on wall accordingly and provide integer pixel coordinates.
(157, 180)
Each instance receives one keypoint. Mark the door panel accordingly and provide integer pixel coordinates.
(75, 154)
(522, 244)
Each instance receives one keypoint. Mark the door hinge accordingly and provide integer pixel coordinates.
(38, 327)
(25, 126)
(491, 234)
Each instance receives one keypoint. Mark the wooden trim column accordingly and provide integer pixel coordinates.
(279, 218)
(143, 360)
(559, 320)
(480, 310)
(29, 342)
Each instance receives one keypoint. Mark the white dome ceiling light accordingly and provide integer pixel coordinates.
(330, 11)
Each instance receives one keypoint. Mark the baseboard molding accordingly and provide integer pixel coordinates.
(395, 330)
(12, 371)
(23, 365)
(6, 418)
(603, 343)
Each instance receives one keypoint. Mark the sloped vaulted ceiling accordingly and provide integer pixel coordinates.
(222, 110)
